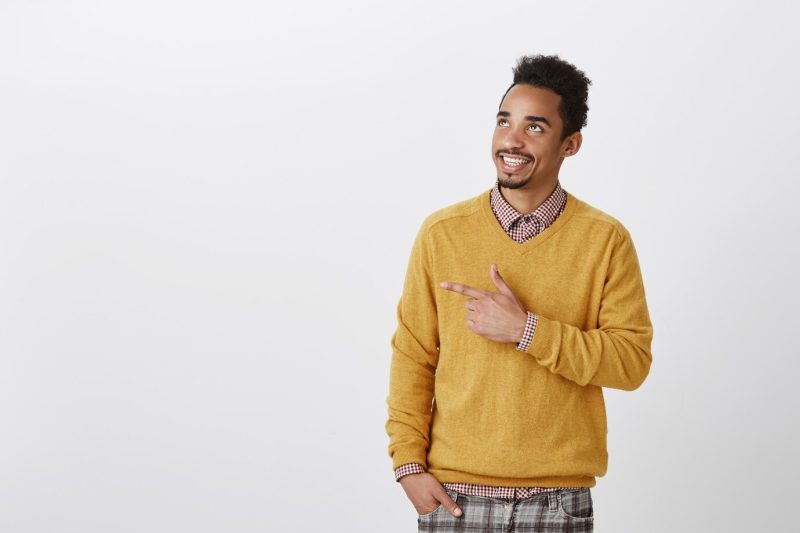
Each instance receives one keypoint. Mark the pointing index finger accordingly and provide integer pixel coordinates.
(462, 289)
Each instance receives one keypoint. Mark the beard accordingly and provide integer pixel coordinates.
(508, 181)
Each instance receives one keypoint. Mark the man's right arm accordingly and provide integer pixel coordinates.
(415, 355)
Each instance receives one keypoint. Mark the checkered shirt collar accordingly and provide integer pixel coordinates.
(547, 212)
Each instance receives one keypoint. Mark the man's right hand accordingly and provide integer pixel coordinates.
(426, 493)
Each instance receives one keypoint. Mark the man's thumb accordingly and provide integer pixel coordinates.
(451, 506)
(498, 280)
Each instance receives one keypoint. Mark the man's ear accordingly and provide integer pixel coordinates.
(572, 144)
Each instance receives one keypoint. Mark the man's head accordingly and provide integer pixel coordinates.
(539, 120)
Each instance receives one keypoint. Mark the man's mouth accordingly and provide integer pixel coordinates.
(513, 163)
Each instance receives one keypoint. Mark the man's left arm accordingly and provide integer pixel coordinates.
(616, 354)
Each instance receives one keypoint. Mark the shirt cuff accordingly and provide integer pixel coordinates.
(406, 469)
(527, 335)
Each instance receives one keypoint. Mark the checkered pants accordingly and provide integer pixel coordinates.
(565, 510)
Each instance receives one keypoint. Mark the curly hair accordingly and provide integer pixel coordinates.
(561, 77)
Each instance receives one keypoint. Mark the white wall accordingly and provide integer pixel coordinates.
(206, 211)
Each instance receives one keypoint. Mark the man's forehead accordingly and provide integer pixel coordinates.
(529, 100)
(529, 95)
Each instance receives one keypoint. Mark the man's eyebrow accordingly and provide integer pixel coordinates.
(530, 118)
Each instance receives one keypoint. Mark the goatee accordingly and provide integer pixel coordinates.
(512, 184)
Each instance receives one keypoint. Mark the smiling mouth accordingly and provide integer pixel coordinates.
(514, 163)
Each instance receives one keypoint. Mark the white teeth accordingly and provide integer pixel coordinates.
(514, 162)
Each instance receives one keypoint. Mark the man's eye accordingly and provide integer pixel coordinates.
(501, 121)
(536, 126)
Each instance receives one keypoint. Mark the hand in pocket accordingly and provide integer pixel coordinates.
(427, 494)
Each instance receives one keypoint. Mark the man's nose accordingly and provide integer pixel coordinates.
(513, 139)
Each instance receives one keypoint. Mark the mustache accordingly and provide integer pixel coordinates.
(520, 154)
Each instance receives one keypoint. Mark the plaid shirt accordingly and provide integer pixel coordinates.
(520, 228)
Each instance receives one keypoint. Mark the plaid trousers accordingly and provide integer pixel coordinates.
(565, 510)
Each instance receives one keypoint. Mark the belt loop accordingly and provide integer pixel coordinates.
(554, 499)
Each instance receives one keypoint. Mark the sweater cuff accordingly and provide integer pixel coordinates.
(527, 335)
(406, 469)
(416, 452)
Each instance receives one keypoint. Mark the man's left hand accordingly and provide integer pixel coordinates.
(498, 316)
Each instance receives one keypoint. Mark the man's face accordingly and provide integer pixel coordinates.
(528, 132)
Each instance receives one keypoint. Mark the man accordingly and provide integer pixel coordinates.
(518, 306)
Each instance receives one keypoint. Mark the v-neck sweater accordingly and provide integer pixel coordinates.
(472, 410)
(519, 227)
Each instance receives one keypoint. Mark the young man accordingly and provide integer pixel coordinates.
(518, 306)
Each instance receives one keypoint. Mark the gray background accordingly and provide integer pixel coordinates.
(206, 211)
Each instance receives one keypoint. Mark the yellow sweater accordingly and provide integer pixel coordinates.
(472, 410)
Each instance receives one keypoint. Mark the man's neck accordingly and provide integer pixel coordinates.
(527, 199)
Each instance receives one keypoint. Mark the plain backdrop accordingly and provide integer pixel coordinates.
(206, 211)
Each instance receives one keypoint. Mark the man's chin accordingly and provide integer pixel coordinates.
(512, 183)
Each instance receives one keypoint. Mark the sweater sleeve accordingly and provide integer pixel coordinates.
(616, 354)
(415, 355)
